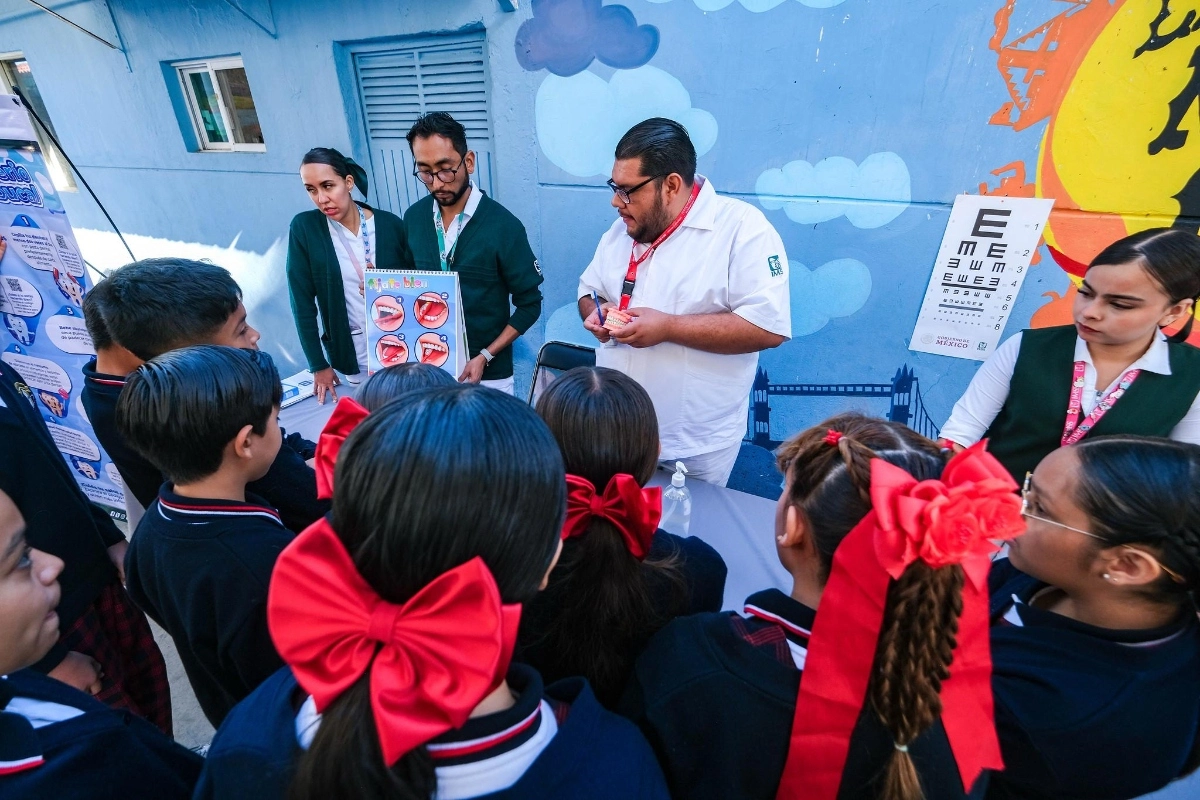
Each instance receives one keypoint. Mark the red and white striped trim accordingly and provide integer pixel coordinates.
(107, 382)
(20, 765)
(755, 611)
(221, 511)
(472, 746)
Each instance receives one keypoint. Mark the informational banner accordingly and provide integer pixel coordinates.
(42, 284)
(415, 317)
(985, 253)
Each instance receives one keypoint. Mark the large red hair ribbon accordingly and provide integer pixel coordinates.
(344, 419)
(632, 510)
(955, 520)
(432, 658)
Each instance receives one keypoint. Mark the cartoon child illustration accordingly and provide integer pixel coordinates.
(55, 403)
(84, 468)
(69, 287)
(19, 328)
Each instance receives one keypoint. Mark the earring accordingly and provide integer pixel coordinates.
(1107, 577)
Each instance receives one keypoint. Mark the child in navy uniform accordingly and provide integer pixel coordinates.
(740, 706)
(56, 741)
(200, 561)
(620, 578)
(148, 308)
(106, 647)
(1095, 643)
(1113, 371)
(398, 616)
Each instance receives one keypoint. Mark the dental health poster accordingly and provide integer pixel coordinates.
(42, 284)
(985, 254)
(415, 317)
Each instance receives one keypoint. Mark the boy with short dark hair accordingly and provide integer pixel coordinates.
(156, 305)
(200, 561)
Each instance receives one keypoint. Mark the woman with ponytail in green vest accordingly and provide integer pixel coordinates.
(329, 248)
(1113, 371)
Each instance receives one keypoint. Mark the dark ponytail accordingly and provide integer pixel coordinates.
(602, 604)
(345, 753)
(1171, 256)
(342, 165)
(408, 507)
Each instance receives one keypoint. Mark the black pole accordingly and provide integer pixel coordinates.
(46, 129)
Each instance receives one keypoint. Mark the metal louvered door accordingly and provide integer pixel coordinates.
(397, 84)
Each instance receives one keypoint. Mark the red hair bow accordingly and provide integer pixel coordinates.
(949, 521)
(832, 437)
(344, 419)
(632, 510)
(432, 659)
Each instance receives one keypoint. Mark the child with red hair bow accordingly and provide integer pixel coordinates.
(397, 617)
(881, 694)
(620, 578)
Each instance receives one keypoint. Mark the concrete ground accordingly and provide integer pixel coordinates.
(191, 727)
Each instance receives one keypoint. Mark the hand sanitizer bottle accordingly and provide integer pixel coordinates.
(677, 504)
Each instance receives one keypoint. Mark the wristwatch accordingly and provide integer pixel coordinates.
(487, 355)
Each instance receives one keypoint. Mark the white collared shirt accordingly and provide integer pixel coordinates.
(725, 257)
(452, 232)
(356, 307)
(976, 410)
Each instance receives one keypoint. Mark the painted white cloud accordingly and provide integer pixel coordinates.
(870, 194)
(581, 118)
(835, 289)
(756, 6)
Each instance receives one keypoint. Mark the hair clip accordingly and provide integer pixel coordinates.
(833, 437)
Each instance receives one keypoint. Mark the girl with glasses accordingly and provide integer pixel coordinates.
(1112, 371)
(1095, 641)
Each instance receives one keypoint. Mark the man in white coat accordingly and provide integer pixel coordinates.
(703, 282)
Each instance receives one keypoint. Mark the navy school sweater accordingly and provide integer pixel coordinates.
(289, 486)
(716, 693)
(592, 755)
(201, 569)
(1086, 712)
(59, 518)
(100, 754)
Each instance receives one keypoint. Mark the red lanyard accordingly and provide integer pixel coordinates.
(1074, 430)
(634, 263)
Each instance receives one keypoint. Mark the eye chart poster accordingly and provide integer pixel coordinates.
(415, 317)
(979, 270)
(42, 284)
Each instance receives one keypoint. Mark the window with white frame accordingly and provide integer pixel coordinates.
(221, 106)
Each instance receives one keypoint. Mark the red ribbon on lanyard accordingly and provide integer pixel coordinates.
(1074, 430)
(635, 262)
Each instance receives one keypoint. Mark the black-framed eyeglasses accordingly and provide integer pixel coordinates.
(444, 175)
(624, 193)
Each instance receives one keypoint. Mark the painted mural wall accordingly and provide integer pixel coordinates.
(851, 123)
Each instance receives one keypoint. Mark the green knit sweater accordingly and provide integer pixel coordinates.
(494, 263)
(1030, 424)
(315, 284)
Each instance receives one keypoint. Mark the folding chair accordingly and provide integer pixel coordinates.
(556, 357)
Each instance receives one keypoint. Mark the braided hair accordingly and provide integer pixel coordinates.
(831, 485)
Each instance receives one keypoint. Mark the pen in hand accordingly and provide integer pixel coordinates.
(599, 316)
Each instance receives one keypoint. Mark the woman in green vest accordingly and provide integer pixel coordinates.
(1113, 371)
(329, 248)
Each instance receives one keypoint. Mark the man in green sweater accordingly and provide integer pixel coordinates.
(460, 229)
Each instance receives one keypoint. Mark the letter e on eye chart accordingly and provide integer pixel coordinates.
(980, 267)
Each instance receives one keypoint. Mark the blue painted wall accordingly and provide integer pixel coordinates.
(768, 82)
